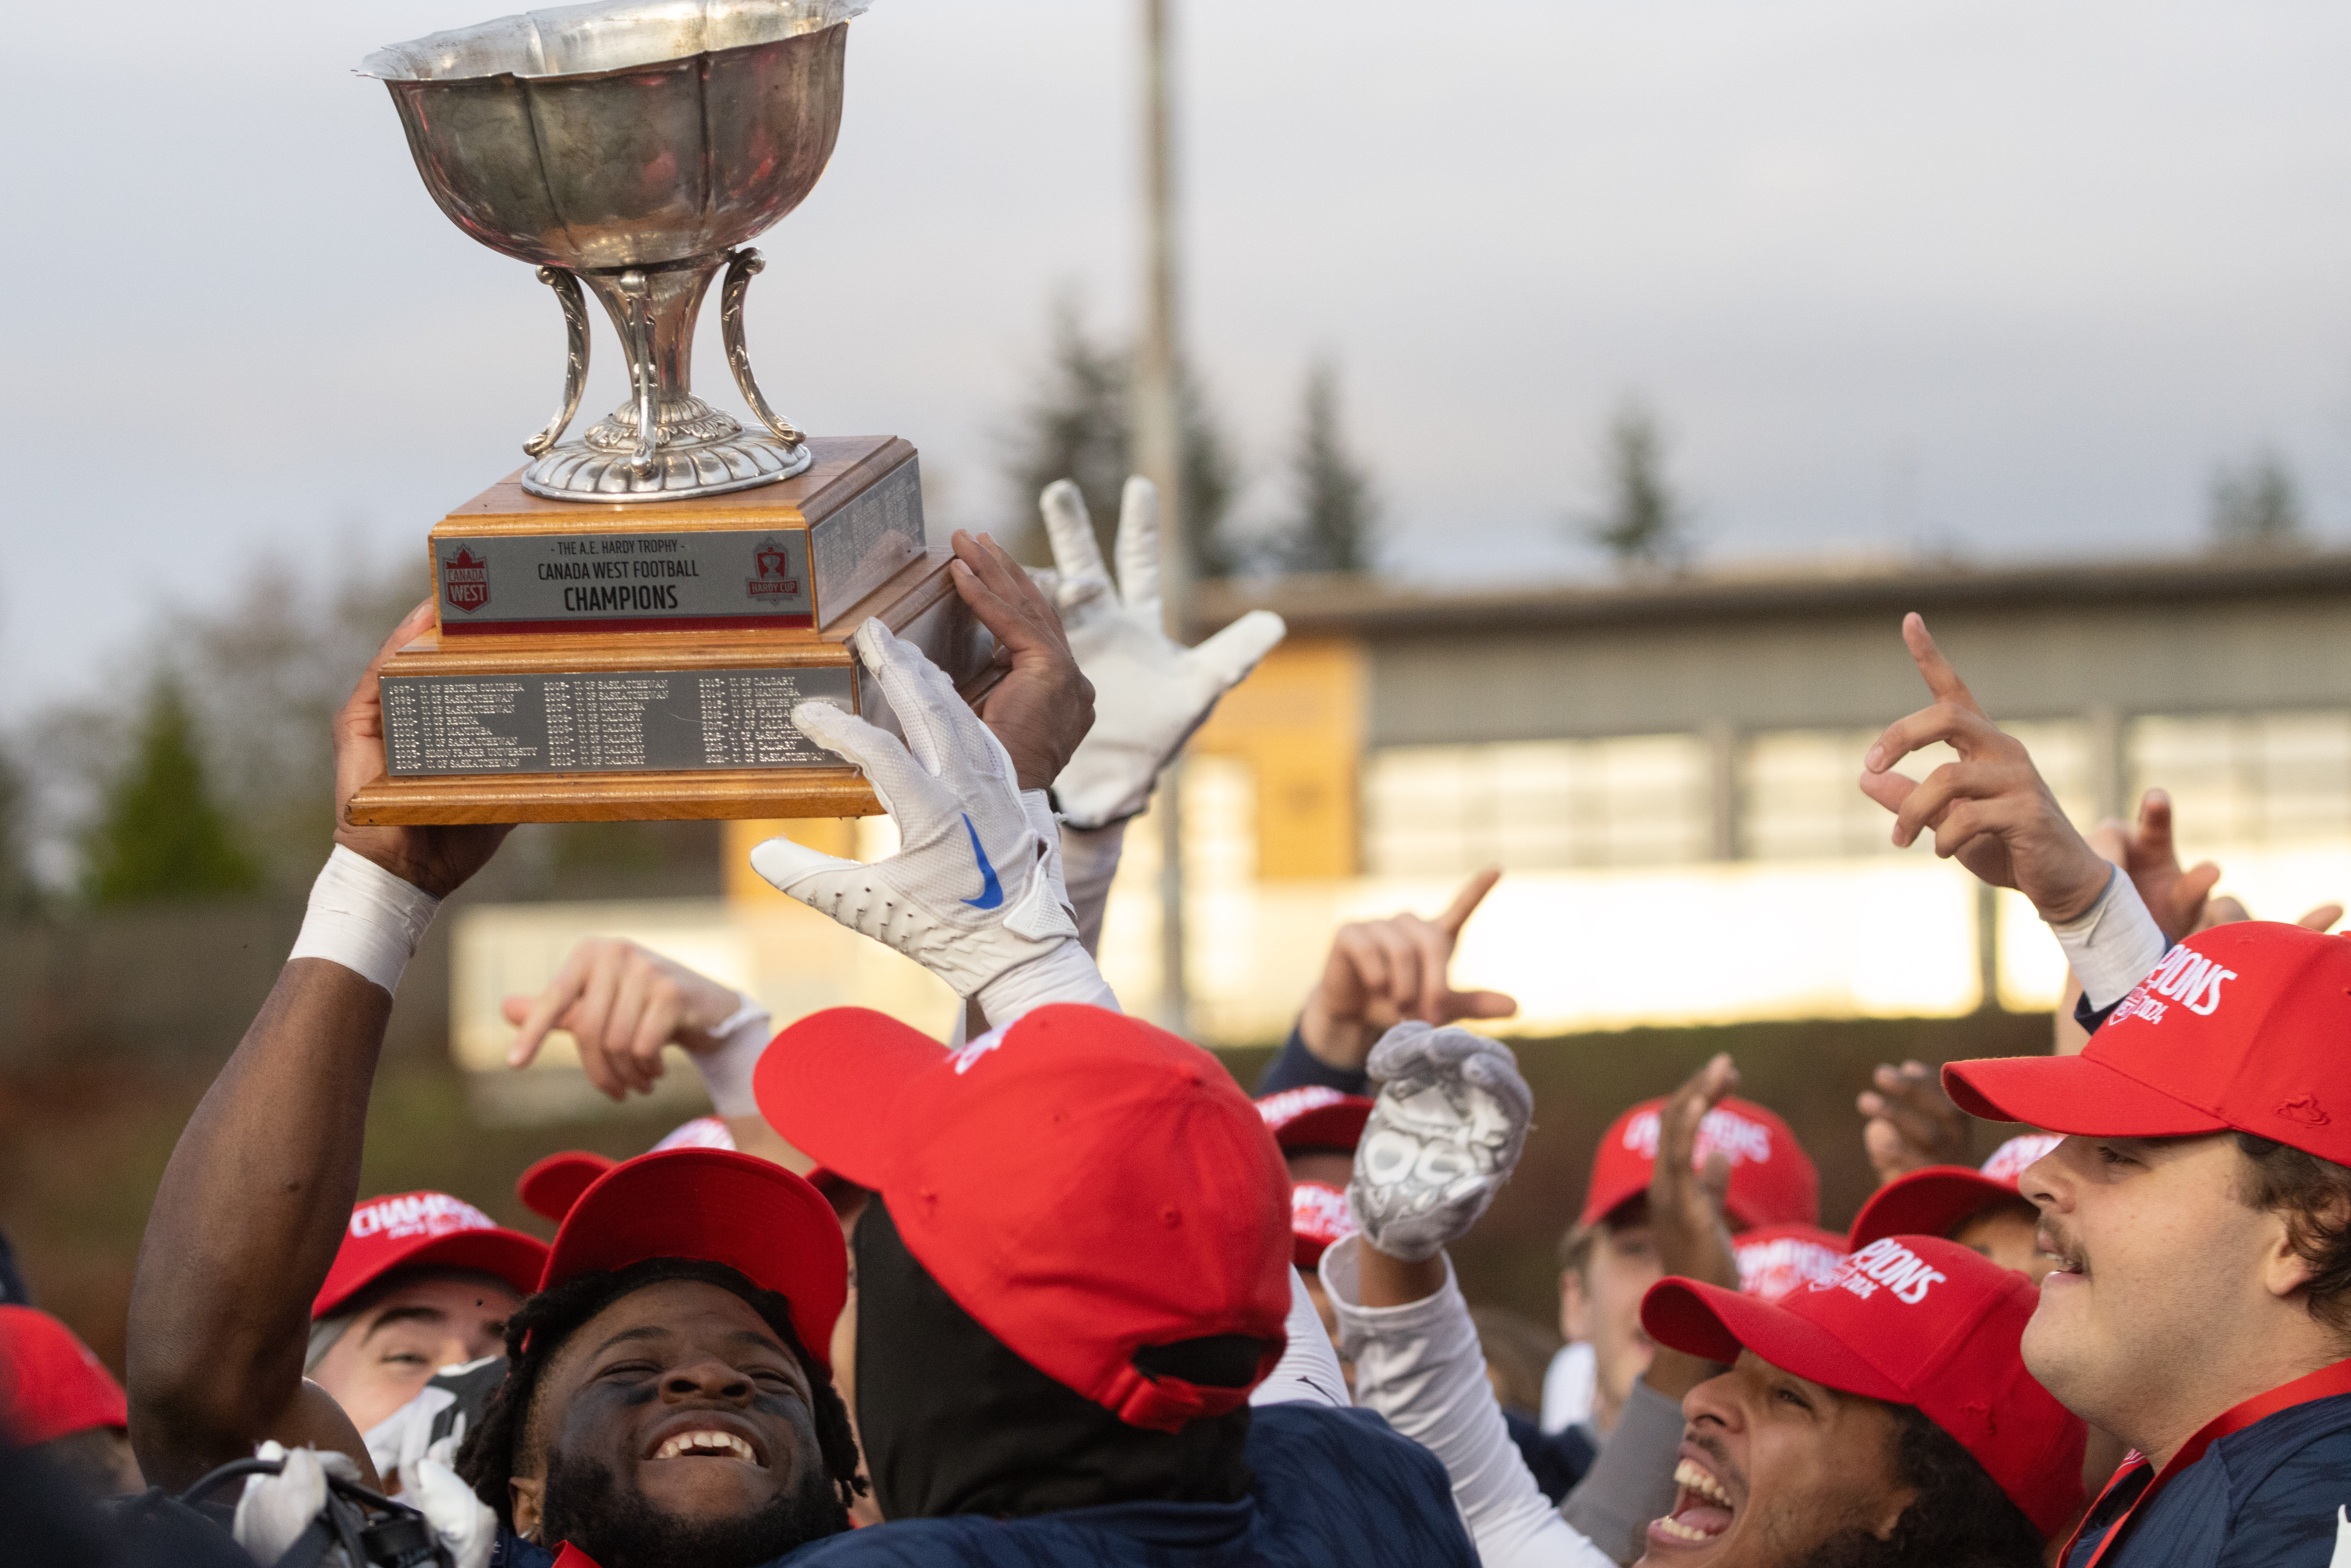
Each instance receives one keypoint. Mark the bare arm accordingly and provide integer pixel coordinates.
(254, 1201)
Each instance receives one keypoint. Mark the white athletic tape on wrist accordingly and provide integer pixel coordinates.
(364, 918)
(726, 1071)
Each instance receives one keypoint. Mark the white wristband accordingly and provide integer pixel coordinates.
(2113, 945)
(726, 1071)
(1063, 975)
(364, 918)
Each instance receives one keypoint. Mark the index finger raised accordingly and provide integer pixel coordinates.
(1466, 901)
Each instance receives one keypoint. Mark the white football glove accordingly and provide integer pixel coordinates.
(975, 889)
(1150, 693)
(276, 1510)
(1443, 1135)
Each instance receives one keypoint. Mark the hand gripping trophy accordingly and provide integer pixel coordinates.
(626, 624)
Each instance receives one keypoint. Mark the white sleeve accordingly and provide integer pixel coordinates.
(1420, 1367)
(1089, 864)
(2113, 945)
(1308, 1372)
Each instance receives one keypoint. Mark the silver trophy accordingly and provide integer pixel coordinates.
(634, 146)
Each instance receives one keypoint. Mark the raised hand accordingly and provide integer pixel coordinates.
(622, 1004)
(1150, 692)
(438, 859)
(2145, 850)
(1686, 1203)
(1382, 972)
(1912, 1123)
(1044, 705)
(975, 888)
(1445, 1134)
(1990, 809)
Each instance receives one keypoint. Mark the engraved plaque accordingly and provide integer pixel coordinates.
(606, 722)
(651, 581)
(862, 545)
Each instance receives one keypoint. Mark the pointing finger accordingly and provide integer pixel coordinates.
(1466, 901)
(1941, 678)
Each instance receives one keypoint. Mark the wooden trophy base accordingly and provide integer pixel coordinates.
(638, 662)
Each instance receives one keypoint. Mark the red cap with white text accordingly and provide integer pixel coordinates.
(1314, 1116)
(1773, 1181)
(1774, 1259)
(1935, 1200)
(2239, 1028)
(50, 1384)
(1911, 1320)
(1084, 1185)
(1318, 1220)
(721, 1207)
(422, 1230)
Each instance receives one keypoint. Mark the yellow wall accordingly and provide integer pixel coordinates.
(1298, 722)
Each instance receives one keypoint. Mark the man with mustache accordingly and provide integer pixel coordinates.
(2200, 1204)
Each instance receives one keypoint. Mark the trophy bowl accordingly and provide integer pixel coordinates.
(633, 146)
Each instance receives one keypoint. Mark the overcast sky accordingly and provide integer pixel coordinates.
(2005, 277)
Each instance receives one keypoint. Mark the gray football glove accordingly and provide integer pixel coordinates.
(1443, 1135)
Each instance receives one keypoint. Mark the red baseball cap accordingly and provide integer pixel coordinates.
(551, 1185)
(2240, 1027)
(421, 1229)
(750, 1214)
(1083, 1184)
(50, 1384)
(1911, 1320)
(1312, 1116)
(1774, 1259)
(1317, 1218)
(1937, 1199)
(1773, 1181)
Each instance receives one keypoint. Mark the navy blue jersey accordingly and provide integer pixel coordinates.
(1333, 1485)
(2266, 1496)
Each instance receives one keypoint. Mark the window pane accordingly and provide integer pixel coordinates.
(1531, 805)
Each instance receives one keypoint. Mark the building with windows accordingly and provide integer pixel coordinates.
(1667, 773)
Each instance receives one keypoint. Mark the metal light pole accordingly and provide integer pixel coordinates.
(1159, 457)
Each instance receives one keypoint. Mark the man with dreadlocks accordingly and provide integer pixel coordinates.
(668, 1396)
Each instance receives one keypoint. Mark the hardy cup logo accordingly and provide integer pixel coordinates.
(1886, 1265)
(1741, 1140)
(775, 564)
(465, 580)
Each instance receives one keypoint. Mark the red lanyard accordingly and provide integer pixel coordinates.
(2323, 1383)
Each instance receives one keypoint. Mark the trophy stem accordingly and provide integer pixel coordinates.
(663, 442)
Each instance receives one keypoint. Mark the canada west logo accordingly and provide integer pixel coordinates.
(465, 580)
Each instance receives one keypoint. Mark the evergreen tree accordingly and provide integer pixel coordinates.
(1331, 530)
(17, 889)
(1079, 427)
(1643, 524)
(159, 834)
(2256, 506)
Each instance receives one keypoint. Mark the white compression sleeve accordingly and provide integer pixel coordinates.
(1308, 1372)
(364, 918)
(1420, 1367)
(2113, 945)
(1088, 863)
(726, 1071)
(1064, 974)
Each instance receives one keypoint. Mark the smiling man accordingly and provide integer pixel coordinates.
(2200, 1214)
(2200, 1206)
(662, 1404)
(1880, 1417)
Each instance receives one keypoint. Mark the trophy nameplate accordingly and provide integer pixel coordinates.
(640, 661)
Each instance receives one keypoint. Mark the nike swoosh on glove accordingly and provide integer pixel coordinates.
(975, 888)
(1443, 1135)
(1150, 692)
